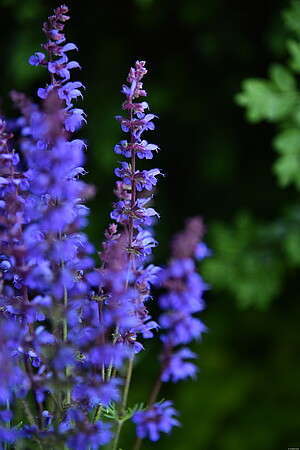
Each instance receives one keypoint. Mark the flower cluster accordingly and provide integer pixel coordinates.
(133, 214)
(69, 331)
(57, 62)
(182, 299)
(159, 418)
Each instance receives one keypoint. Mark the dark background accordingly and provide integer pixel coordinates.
(247, 394)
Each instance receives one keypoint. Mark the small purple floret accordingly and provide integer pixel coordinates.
(159, 418)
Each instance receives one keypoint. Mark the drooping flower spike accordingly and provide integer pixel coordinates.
(181, 301)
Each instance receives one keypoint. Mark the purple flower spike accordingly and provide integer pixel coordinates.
(61, 280)
(183, 297)
(134, 217)
(56, 60)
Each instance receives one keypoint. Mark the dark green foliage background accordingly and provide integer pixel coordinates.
(247, 394)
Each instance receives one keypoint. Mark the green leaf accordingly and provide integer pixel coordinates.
(112, 412)
(291, 17)
(283, 79)
(287, 167)
(294, 50)
(278, 100)
(263, 100)
(244, 263)
(291, 245)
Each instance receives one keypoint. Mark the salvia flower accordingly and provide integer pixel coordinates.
(69, 331)
(58, 252)
(133, 213)
(159, 418)
(13, 379)
(56, 60)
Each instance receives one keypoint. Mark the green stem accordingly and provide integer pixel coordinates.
(127, 385)
(65, 338)
(155, 391)
(31, 420)
(97, 413)
(6, 445)
(39, 406)
(117, 436)
(131, 266)
(28, 413)
(137, 444)
(152, 399)
(109, 370)
(124, 403)
(65, 323)
(8, 409)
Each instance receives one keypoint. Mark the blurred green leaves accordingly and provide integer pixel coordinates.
(252, 259)
(277, 100)
(271, 100)
(245, 265)
(294, 50)
(287, 166)
(292, 17)
(283, 79)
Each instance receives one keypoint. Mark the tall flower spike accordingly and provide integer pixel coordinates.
(55, 212)
(134, 193)
(130, 241)
(130, 210)
(61, 268)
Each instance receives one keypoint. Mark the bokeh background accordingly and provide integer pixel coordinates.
(247, 394)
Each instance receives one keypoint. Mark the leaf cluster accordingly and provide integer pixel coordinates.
(251, 258)
(277, 100)
(112, 412)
